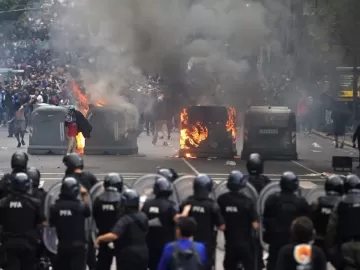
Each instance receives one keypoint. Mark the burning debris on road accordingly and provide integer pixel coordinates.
(207, 131)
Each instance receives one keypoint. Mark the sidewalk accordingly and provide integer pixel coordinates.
(348, 137)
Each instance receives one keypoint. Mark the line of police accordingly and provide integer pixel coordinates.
(136, 238)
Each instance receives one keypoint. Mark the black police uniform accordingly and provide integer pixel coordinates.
(74, 162)
(130, 248)
(37, 192)
(344, 225)
(160, 212)
(334, 188)
(280, 211)
(206, 213)
(106, 211)
(169, 174)
(20, 214)
(19, 161)
(239, 213)
(68, 216)
(255, 168)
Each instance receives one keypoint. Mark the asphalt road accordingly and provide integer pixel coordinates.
(314, 152)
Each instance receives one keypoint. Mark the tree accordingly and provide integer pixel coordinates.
(11, 10)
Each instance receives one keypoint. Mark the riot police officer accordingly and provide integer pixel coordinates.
(334, 189)
(280, 211)
(241, 220)
(38, 192)
(106, 211)
(20, 214)
(19, 161)
(68, 216)
(344, 225)
(129, 233)
(161, 213)
(169, 174)
(206, 213)
(74, 167)
(255, 168)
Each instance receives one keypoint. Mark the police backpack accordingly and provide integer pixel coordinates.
(185, 259)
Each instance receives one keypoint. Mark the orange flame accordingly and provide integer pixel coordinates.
(191, 135)
(230, 124)
(100, 103)
(83, 108)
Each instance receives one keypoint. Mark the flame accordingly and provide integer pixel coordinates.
(83, 108)
(230, 124)
(191, 135)
(100, 103)
(188, 155)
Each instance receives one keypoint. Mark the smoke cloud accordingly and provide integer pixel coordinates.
(189, 43)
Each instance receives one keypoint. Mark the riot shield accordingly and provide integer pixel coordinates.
(49, 234)
(314, 194)
(249, 191)
(98, 189)
(144, 186)
(268, 190)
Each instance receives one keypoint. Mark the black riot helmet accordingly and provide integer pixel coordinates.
(255, 164)
(70, 188)
(34, 175)
(236, 181)
(73, 161)
(130, 199)
(169, 174)
(202, 186)
(162, 187)
(352, 183)
(289, 182)
(19, 161)
(21, 183)
(334, 185)
(114, 182)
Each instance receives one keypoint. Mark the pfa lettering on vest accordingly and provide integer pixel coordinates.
(15, 205)
(326, 211)
(108, 207)
(154, 210)
(198, 209)
(231, 209)
(65, 213)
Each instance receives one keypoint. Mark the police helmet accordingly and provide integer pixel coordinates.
(114, 181)
(21, 183)
(73, 161)
(334, 185)
(130, 199)
(289, 182)
(19, 161)
(255, 164)
(162, 187)
(34, 175)
(170, 174)
(70, 188)
(203, 185)
(236, 181)
(352, 183)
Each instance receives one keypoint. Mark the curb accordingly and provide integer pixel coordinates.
(323, 135)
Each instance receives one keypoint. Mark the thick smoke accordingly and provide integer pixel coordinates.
(190, 44)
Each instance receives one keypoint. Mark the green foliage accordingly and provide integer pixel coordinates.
(9, 9)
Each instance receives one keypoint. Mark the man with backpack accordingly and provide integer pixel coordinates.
(184, 253)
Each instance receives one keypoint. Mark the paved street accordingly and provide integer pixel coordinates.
(314, 158)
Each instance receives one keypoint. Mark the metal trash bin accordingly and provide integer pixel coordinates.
(114, 131)
(47, 132)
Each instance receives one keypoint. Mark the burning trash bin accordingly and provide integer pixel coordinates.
(114, 130)
(47, 134)
(208, 131)
(271, 132)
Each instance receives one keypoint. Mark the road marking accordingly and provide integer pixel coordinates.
(190, 166)
(304, 167)
(307, 185)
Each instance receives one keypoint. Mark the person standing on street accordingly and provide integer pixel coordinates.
(71, 129)
(161, 120)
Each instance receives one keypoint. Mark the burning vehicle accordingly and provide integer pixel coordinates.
(208, 131)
